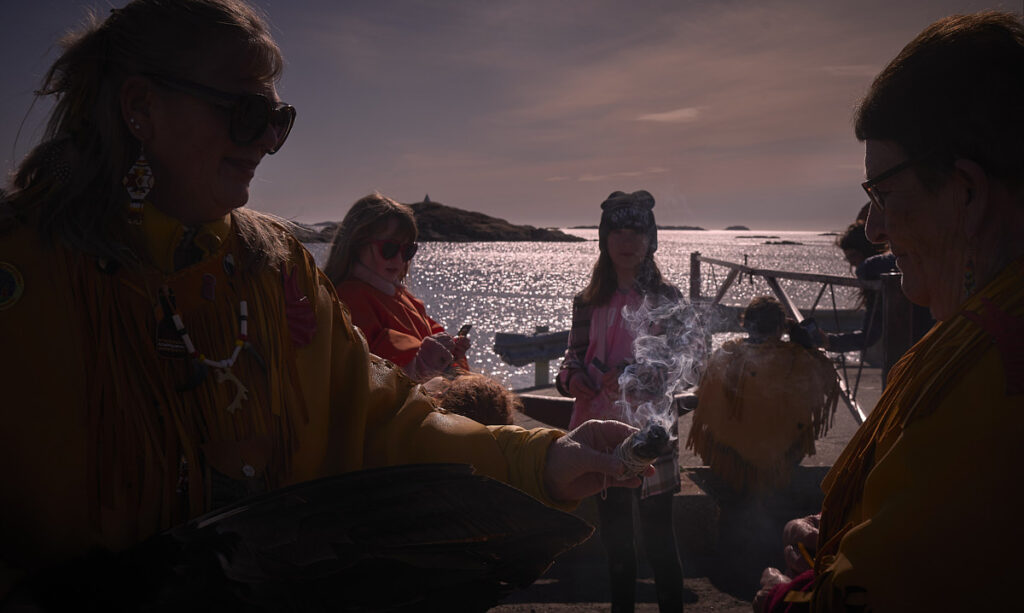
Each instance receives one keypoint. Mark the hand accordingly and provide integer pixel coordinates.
(462, 344)
(581, 463)
(581, 387)
(432, 358)
(805, 531)
(770, 579)
(446, 340)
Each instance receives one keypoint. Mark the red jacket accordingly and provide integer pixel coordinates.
(394, 326)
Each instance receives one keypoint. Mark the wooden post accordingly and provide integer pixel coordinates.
(695, 276)
(897, 328)
(540, 378)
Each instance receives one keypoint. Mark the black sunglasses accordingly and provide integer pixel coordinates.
(251, 114)
(389, 248)
(871, 185)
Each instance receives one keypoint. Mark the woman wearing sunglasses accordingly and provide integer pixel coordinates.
(166, 351)
(368, 263)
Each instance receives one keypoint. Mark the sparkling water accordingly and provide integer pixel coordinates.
(517, 286)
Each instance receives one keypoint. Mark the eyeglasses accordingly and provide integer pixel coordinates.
(389, 248)
(871, 185)
(251, 114)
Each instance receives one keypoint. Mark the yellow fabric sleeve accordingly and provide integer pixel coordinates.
(318, 406)
(939, 525)
(921, 510)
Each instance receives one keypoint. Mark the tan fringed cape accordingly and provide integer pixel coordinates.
(923, 510)
(104, 445)
(760, 409)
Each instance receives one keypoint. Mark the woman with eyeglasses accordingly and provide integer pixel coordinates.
(166, 351)
(921, 511)
(368, 263)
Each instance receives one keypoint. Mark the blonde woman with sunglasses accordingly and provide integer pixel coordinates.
(368, 263)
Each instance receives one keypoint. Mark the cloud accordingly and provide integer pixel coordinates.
(626, 173)
(683, 115)
(853, 70)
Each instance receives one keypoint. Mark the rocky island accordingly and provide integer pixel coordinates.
(439, 222)
(660, 227)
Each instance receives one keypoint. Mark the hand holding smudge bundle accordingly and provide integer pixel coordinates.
(641, 448)
(668, 349)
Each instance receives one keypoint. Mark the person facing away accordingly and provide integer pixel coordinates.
(869, 261)
(937, 460)
(176, 351)
(761, 404)
(600, 347)
(368, 263)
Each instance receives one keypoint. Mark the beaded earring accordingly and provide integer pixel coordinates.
(138, 182)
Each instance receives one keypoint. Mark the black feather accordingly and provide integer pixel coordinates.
(406, 538)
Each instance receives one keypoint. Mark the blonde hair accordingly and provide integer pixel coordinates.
(70, 184)
(369, 215)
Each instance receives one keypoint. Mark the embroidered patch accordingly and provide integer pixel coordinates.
(12, 285)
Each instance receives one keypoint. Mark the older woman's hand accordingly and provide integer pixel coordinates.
(581, 463)
(802, 531)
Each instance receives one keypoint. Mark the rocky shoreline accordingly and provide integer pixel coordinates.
(439, 222)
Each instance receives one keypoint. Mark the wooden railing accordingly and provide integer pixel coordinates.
(543, 346)
(897, 310)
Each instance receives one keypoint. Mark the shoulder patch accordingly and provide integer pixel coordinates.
(12, 285)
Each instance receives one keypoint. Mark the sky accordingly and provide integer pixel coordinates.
(729, 112)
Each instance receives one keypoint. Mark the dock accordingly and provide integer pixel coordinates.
(723, 549)
(718, 576)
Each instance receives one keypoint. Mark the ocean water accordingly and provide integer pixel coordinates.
(516, 287)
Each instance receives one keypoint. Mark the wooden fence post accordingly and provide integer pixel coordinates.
(897, 325)
(695, 276)
(540, 378)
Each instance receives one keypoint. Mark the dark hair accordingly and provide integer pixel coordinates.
(956, 90)
(764, 317)
(369, 215)
(603, 281)
(855, 238)
(70, 184)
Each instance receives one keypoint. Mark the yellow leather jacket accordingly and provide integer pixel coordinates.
(113, 431)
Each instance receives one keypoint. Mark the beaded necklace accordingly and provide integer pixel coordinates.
(201, 362)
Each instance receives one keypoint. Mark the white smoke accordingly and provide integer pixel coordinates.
(669, 352)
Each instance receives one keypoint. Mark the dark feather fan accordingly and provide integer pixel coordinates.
(406, 538)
